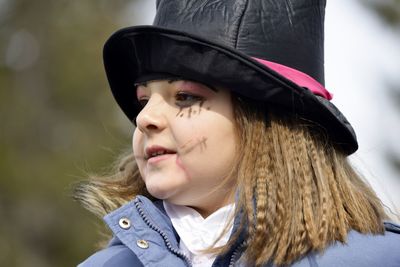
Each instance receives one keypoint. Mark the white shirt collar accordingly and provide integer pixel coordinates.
(197, 233)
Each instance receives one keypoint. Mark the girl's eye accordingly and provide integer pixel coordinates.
(183, 99)
(143, 102)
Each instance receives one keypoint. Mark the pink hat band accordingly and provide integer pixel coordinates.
(298, 77)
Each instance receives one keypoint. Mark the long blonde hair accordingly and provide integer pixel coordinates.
(297, 191)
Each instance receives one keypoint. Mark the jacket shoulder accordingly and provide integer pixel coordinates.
(361, 250)
(112, 256)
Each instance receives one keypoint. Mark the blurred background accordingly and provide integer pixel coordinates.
(59, 121)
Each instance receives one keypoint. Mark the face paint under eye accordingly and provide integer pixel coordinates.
(183, 99)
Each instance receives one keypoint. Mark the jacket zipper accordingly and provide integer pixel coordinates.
(163, 234)
(234, 254)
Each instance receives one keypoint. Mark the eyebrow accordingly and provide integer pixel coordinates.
(190, 80)
(140, 84)
(180, 79)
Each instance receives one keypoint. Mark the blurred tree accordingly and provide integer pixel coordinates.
(57, 117)
(388, 10)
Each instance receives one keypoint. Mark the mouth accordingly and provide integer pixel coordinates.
(157, 151)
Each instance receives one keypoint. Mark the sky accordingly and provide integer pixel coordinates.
(360, 59)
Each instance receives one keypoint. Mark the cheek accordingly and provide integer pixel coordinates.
(136, 139)
(207, 148)
(137, 146)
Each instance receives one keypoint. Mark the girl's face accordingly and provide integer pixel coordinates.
(185, 142)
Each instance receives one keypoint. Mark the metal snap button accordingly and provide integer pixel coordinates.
(124, 223)
(141, 243)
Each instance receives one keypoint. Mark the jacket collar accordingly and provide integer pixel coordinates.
(146, 230)
(143, 220)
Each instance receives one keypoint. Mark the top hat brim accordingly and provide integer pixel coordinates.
(140, 50)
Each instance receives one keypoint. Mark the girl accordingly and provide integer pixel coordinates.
(239, 158)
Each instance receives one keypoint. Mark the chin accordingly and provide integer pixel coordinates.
(171, 197)
(159, 193)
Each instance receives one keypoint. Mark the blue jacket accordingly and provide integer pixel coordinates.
(144, 236)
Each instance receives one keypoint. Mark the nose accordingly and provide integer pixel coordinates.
(152, 117)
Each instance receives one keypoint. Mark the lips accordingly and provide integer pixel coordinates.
(155, 151)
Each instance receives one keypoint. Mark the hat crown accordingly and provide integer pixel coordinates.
(289, 32)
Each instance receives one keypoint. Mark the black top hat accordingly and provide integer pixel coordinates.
(267, 50)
